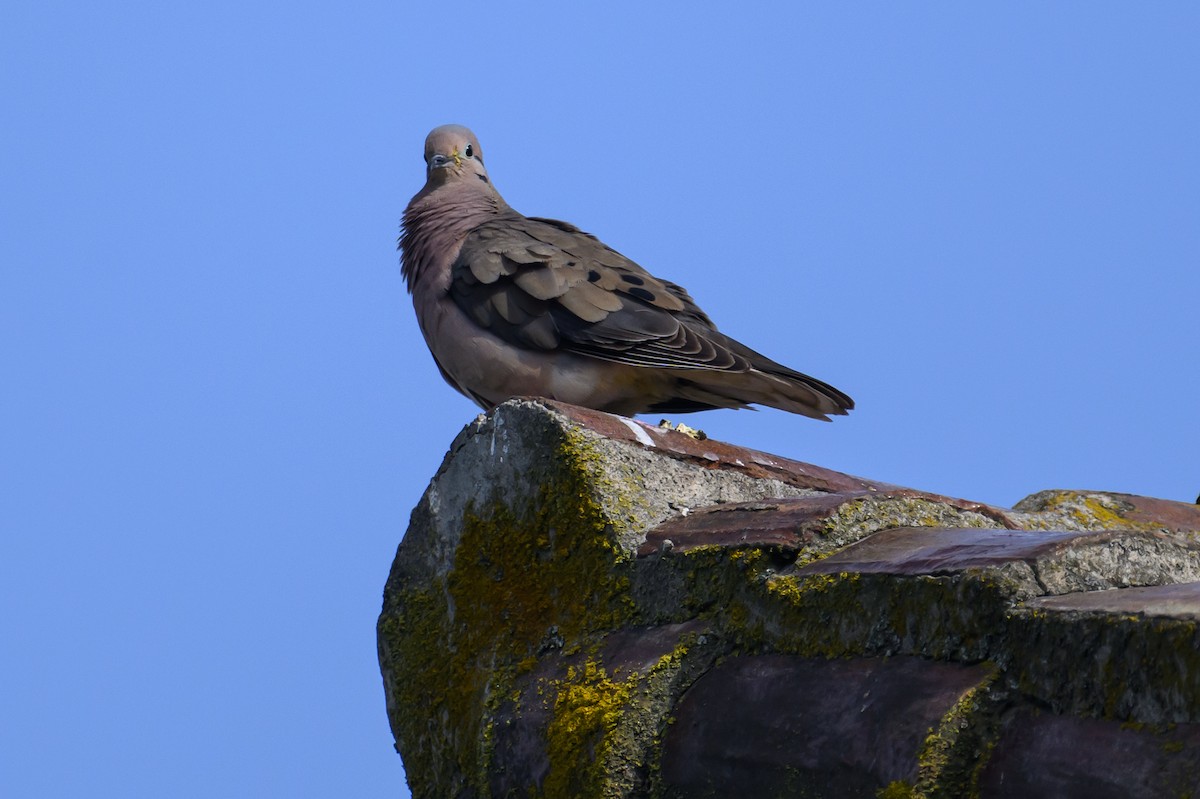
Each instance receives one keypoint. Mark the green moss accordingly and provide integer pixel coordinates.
(1140, 669)
(524, 579)
(1117, 676)
(953, 617)
(821, 615)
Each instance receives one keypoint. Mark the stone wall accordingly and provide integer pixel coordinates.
(585, 606)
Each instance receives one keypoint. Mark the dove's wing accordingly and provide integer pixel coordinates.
(544, 284)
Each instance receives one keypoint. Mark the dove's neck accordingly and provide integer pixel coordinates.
(435, 224)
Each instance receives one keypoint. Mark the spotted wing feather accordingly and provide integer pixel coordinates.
(545, 284)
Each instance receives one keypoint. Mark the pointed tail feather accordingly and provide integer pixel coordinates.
(795, 393)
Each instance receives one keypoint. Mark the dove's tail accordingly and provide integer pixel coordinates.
(762, 381)
(697, 390)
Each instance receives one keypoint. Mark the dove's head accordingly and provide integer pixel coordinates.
(452, 153)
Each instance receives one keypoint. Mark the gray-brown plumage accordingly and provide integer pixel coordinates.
(522, 306)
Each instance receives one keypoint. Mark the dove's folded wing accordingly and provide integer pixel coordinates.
(544, 284)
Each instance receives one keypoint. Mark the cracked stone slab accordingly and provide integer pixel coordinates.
(815, 524)
(1180, 601)
(1061, 562)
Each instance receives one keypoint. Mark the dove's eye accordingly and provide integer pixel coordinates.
(469, 153)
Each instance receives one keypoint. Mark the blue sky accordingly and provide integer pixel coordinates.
(980, 220)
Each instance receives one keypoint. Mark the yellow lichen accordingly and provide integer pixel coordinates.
(897, 790)
(587, 711)
(1078, 510)
(950, 761)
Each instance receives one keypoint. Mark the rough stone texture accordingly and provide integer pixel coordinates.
(1042, 754)
(1059, 562)
(584, 606)
(811, 727)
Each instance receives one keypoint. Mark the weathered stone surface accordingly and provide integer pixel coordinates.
(584, 605)
(515, 551)
(1131, 654)
(588, 723)
(814, 525)
(1042, 754)
(1104, 510)
(1180, 601)
(1059, 562)
(710, 454)
(780, 725)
